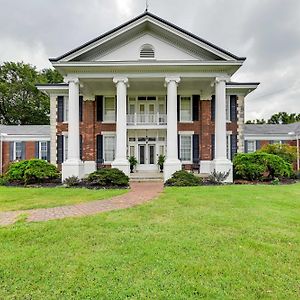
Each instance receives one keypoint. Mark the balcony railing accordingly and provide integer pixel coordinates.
(147, 119)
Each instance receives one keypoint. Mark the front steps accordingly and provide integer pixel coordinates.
(139, 176)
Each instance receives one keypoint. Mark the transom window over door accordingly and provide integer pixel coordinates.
(185, 109)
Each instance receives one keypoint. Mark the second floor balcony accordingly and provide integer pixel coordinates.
(147, 119)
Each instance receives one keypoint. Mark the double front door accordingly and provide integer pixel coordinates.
(147, 154)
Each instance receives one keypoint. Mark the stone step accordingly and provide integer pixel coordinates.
(146, 176)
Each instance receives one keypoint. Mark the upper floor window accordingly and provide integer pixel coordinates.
(185, 109)
(109, 114)
(147, 51)
(66, 109)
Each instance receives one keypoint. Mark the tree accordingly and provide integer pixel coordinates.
(257, 121)
(21, 103)
(284, 118)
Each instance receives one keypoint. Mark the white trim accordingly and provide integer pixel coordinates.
(25, 138)
(186, 132)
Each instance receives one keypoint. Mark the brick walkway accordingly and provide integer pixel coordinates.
(140, 192)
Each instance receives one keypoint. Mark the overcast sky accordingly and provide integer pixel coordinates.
(267, 32)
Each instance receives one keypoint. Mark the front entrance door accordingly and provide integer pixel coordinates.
(147, 156)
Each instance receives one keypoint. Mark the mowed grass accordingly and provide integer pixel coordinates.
(231, 242)
(14, 198)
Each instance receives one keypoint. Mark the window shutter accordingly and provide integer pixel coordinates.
(257, 143)
(80, 142)
(196, 100)
(212, 146)
(99, 154)
(23, 155)
(60, 149)
(178, 146)
(37, 150)
(178, 108)
(213, 107)
(196, 155)
(233, 143)
(233, 108)
(11, 150)
(48, 151)
(80, 108)
(246, 147)
(99, 108)
(60, 109)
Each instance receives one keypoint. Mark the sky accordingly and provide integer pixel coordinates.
(267, 32)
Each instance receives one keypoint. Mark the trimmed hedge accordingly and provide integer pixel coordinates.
(286, 152)
(183, 178)
(107, 178)
(254, 166)
(32, 171)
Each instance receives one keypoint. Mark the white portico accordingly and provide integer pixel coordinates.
(145, 89)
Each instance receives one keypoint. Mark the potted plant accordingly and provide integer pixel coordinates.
(160, 162)
(133, 162)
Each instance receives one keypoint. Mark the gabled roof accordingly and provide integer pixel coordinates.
(272, 129)
(25, 129)
(150, 15)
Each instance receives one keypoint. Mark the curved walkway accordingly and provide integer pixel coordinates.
(139, 193)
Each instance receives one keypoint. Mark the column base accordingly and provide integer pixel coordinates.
(122, 165)
(170, 167)
(223, 165)
(89, 167)
(72, 168)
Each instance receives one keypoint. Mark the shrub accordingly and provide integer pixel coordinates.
(32, 171)
(3, 180)
(218, 177)
(108, 178)
(183, 178)
(286, 152)
(253, 166)
(72, 181)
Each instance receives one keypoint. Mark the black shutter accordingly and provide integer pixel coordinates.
(60, 109)
(37, 150)
(11, 150)
(246, 147)
(80, 108)
(99, 154)
(196, 102)
(196, 155)
(81, 149)
(99, 108)
(178, 146)
(60, 149)
(23, 155)
(212, 141)
(48, 151)
(213, 107)
(178, 108)
(233, 108)
(257, 145)
(233, 143)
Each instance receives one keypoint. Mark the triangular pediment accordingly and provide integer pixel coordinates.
(169, 43)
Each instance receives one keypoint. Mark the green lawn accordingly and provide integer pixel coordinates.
(12, 198)
(231, 242)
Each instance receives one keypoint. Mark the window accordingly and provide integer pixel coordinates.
(186, 109)
(161, 150)
(109, 148)
(186, 148)
(109, 109)
(251, 146)
(66, 109)
(18, 150)
(147, 52)
(228, 147)
(228, 108)
(131, 151)
(65, 147)
(43, 150)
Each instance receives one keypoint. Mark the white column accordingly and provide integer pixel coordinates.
(172, 163)
(121, 161)
(73, 165)
(221, 163)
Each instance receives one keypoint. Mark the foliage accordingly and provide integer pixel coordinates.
(20, 101)
(183, 178)
(32, 171)
(276, 181)
(161, 160)
(20, 198)
(253, 166)
(72, 181)
(218, 177)
(287, 152)
(279, 118)
(108, 178)
(132, 161)
(3, 180)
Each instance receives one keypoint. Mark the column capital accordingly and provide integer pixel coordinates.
(222, 79)
(169, 79)
(71, 79)
(123, 79)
